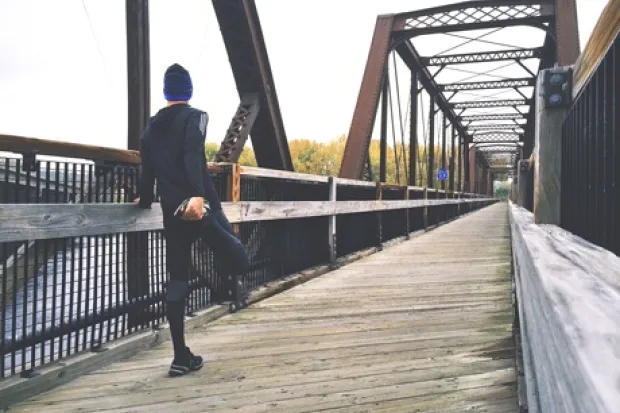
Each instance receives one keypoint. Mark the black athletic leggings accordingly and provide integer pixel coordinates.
(217, 233)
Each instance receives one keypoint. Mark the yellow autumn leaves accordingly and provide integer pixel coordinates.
(324, 158)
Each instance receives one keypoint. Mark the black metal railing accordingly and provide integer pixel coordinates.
(67, 295)
(590, 197)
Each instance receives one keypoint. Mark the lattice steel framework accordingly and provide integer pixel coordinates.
(501, 116)
(502, 84)
(497, 137)
(557, 18)
(249, 61)
(497, 56)
(491, 103)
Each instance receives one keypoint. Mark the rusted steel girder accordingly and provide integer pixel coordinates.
(245, 45)
(497, 116)
(138, 70)
(358, 140)
(500, 84)
(491, 103)
(239, 129)
(475, 15)
(483, 57)
(492, 127)
(497, 137)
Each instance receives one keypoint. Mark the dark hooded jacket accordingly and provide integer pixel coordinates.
(172, 148)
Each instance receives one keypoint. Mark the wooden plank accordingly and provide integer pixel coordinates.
(20, 144)
(603, 36)
(378, 335)
(47, 221)
(569, 305)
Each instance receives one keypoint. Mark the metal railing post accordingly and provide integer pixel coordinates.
(333, 186)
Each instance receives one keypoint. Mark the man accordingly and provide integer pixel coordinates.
(173, 152)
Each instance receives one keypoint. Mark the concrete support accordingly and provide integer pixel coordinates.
(548, 156)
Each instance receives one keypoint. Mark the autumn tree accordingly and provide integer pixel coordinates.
(324, 158)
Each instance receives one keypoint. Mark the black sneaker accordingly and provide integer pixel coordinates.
(182, 367)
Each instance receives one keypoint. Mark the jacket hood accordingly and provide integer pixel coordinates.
(162, 120)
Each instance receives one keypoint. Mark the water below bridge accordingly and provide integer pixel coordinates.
(425, 325)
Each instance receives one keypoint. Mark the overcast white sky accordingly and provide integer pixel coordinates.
(60, 79)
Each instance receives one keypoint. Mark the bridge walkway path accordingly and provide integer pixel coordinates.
(423, 326)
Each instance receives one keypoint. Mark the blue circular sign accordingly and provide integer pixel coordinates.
(442, 174)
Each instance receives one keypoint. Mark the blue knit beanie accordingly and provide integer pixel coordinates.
(177, 84)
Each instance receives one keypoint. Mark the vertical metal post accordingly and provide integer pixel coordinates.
(430, 173)
(333, 185)
(379, 197)
(473, 170)
(459, 182)
(452, 164)
(407, 226)
(443, 147)
(524, 189)
(466, 166)
(384, 129)
(425, 213)
(138, 70)
(413, 130)
(138, 105)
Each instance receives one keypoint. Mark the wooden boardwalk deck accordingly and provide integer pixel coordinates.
(424, 326)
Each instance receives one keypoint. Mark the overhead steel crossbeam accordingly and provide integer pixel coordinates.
(499, 116)
(496, 56)
(508, 148)
(491, 103)
(475, 15)
(497, 137)
(501, 84)
(498, 127)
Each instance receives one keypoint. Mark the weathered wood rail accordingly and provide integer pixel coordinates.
(568, 293)
(48, 221)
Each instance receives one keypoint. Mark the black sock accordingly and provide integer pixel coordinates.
(176, 320)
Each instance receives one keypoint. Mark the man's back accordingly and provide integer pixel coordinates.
(172, 148)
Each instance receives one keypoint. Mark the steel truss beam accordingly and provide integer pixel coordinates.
(475, 15)
(360, 131)
(499, 116)
(491, 103)
(411, 58)
(498, 127)
(392, 32)
(497, 137)
(245, 45)
(239, 129)
(502, 84)
(496, 56)
(481, 146)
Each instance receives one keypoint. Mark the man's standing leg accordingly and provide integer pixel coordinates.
(178, 256)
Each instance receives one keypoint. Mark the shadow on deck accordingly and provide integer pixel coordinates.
(423, 326)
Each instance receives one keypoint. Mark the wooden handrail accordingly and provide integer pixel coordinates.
(21, 222)
(21, 144)
(603, 36)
